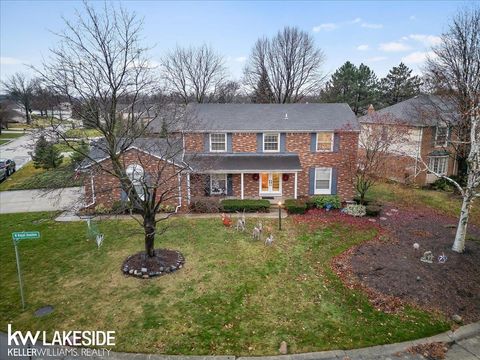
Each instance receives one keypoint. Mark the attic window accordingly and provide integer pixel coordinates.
(325, 141)
(218, 142)
(271, 142)
(441, 136)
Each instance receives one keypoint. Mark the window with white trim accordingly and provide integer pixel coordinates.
(136, 174)
(218, 184)
(271, 142)
(441, 136)
(323, 181)
(218, 142)
(439, 164)
(325, 141)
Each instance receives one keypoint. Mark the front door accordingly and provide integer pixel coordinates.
(270, 184)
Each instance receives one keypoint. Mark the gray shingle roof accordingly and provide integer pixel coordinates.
(272, 117)
(237, 162)
(170, 149)
(421, 110)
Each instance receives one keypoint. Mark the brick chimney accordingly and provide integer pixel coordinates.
(370, 110)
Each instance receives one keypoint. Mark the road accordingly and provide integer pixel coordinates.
(18, 149)
(19, 201)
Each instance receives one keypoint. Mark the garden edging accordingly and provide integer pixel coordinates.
(464, 332)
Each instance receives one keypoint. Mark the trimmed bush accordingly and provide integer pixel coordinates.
(441, 185)
(323, 201)
(372, 210)
(232, 205)
(205, 205)
(295, 206)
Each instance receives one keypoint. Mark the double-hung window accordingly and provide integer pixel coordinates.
(323, 181)
(439, 164)
(271, 142)
(441, 136)
(218, 184)
(218, 142)
(325, 141)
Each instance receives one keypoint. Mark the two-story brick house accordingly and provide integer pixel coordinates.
(427, 120)
(270, 151)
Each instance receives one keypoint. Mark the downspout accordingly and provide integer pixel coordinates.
(179, 194)
(419, 150)
(93, 191)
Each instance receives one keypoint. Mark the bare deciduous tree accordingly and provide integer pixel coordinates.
(382, 139)
(454, 72)
(195, 74)
(21, 89)
(292, 63)
(102, 67)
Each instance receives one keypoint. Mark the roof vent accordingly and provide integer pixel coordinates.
(286, 116)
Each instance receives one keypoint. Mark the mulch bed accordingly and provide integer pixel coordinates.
(164, 262)
(388, 268)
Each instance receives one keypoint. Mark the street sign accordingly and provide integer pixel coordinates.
(25, 235)
(17, 237)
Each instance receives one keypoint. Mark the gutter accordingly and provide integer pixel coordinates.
(179, 194)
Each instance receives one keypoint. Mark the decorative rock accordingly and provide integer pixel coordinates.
(145, 276)
(418, 278)
(416, 246)
(144, 269)
(457, 318)
(283, 348)
(372, 220)
(180, 266)
(383, 218)
(394, 210)
(161, 268)
(388, 214)
(131, 271)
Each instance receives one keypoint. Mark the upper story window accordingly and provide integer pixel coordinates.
(271, 142)
(325, 141)
(439, 164)
(441, 136)
(323, 180)
(218, 142)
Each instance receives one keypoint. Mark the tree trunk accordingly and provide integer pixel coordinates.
(459, 243)
(149, 228)
(27, 115)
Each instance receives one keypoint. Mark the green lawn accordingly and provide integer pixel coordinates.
(82, 133)
(28, 177)
(234, 295)
(3, 141)
(445, 202)
(10, 135)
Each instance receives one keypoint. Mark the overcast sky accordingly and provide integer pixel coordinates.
(379, 34)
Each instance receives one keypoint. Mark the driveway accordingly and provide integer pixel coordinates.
(19, 149)
(19, 201)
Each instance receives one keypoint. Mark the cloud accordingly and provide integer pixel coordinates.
(377, 58)
(427, 40)
(240, 59)
(356, 20)
(412, 18)
(325, 27)
(5, 60)
(371, 26)
(417, 57)
(394, 47)
(362, 47)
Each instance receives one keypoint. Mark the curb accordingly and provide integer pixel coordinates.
(450, 337)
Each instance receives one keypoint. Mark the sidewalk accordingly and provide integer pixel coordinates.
(465, 346)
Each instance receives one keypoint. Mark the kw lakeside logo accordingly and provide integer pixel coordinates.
(63, 343)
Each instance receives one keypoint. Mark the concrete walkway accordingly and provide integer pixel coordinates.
(19, 201)
(465, 346)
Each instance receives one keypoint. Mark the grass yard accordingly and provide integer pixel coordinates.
(28, 177)
(445, 202)
(10, 135)
(82, 133)
(3, 141)
(234, 295)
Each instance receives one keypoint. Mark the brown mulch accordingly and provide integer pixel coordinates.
(391, 273)
(431, 351)
(164, 262)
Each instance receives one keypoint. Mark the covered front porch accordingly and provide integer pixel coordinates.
(252, 176)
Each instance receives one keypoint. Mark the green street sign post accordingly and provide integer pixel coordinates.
(17, 237)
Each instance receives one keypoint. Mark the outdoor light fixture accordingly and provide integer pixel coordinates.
(279, 215)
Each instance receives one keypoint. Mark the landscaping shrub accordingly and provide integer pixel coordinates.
(372, 210)
(441, 185)
(358, 201)
(232, 205)
(324, 201)
(294, 206)
(355, 210)
(205, 205)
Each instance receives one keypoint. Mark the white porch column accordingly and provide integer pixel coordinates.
(188, 188)
(241, 185)
(295, 186)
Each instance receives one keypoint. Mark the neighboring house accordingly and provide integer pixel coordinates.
(254, 151)
(427, 139)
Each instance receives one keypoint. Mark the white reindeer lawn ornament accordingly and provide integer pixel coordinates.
(269, 240)
(256, 233)
(241, 222)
